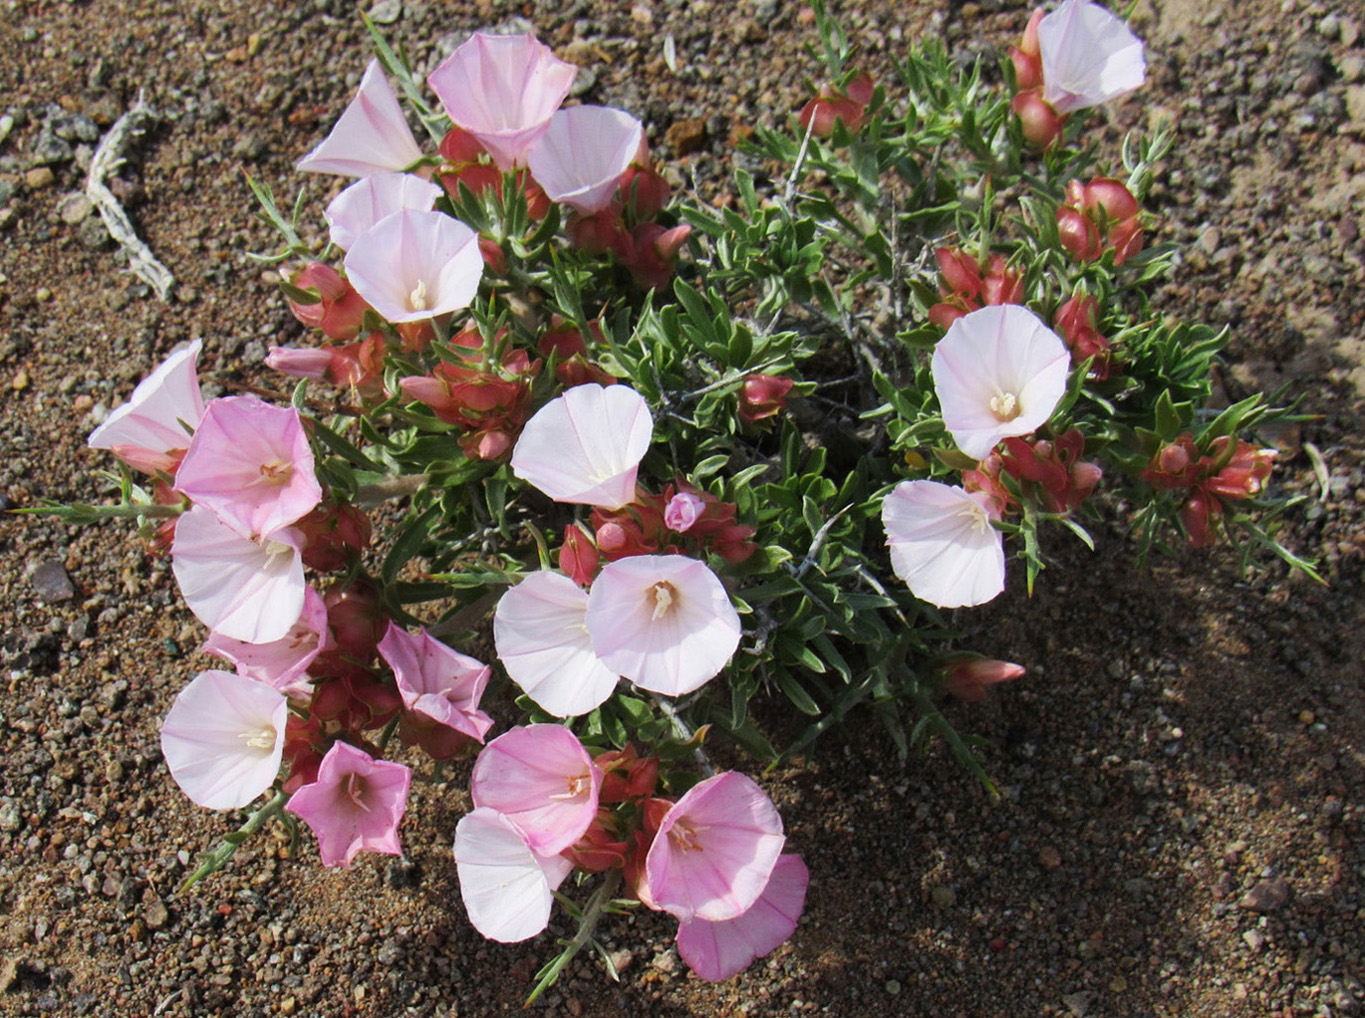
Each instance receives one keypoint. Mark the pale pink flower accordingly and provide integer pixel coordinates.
(719, 950)
(542, 779)
(300, 362)
(541, 635)
(663, 621)
(683, 510)
(412, 266)
(355, 805)
(586, 445)
(242, 589)
(282, 663)
(251, 463)
(223, 739)
(998, 372)
(437, 681)
(942, 543)
(581, 157)
(367, 201)
(715, 850)
(508, 889)
(1089, 56)
(503, 89)
(153, 427)
(371, 135)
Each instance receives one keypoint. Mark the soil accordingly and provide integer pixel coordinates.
(1182, 772)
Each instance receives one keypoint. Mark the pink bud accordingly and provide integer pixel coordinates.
(763, 396)
(967, 678)
(1041, 124)
(683, 510)
(299, 363)
(578, 556)
(960, 272)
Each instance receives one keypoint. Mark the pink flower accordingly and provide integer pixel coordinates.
(242, 589)
(436, 681)
(367, 201)
(300, 362)
(942, 543)
(370, 137)
(1089, 56)
(586, 445)
(503, 89)
(153, 428)
(508, 890)
(714, 852)
(356, 804)
(998, 371)
(251, 463)
(967, 677)
(542, 779)
(281, 663)
(683, 510)
(582, 155)
(412, 266)
(542, 639)
(663, 621)
(719, 950)
(223, 739)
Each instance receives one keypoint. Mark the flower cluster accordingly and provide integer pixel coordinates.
(1231, 470)
(712, 858)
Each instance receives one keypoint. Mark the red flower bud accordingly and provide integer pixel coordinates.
(578, 556)
(357, 617)
(1042, 125)
(334, 535)
(967, 677)
(763, 396)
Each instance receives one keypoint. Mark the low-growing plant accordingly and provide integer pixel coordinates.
(683, 454)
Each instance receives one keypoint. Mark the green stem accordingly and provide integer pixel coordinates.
(216, 859)
(597, 904)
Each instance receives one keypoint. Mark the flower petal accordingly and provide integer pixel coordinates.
(943, 545)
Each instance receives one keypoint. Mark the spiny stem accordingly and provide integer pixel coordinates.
(586, 926)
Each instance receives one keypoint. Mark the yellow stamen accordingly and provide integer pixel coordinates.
(417, 300)
(1005, 406)
(664, 595)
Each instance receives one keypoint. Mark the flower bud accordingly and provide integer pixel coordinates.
(654, 253)
(339, 310)
(335, 534)
(763, 396)
(961, 274)
(578, 556)
(967, 677)
(1041, 124)
(357, 617)
(683, 510)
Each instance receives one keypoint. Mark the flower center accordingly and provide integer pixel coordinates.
(417, 299)
(353, 791)
(684, 837)
(277, 473)
(1005, 406)
(665, 595)
(261, 738)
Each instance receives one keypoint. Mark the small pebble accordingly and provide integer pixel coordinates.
(52, 583)
(39, 177)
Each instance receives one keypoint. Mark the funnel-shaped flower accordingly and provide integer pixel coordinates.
(715, 850)
(147, 432)
(282, 663)
(998, 371)
(541, 634)
(542, 779)
(663, 621)
(223, 739)
(942, 543)
(503, 89)
(242, 589)
(717, 951)
(507, 888)
(1089, 56)
(355, 805)
(436, 681)
(370, 137)
(586, 445)
(581, 157)
(251, 463)
(367, 201)
(412, 266)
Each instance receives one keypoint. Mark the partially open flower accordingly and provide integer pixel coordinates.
(663, 621)
(586, 445)
(371, 136)
(250, 462)
(998, 371)
(503, 89)
(507, 889)
(582, 155)
(715, 850)
(1089, 56)
(151, 431)
(243, 589)
(437, 682)
(719, 950)
(412, 266)
(542, 639)
(223, 739)
(942, 543)
(542, 779)
(367, 201)
(355, 805)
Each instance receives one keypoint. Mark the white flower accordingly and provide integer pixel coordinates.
(1089, 56)
(943, 545)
